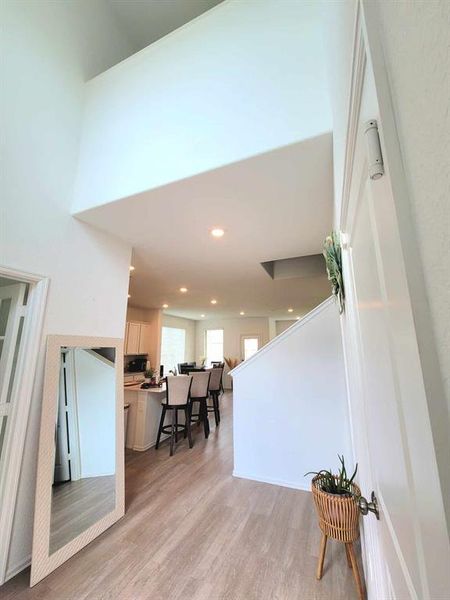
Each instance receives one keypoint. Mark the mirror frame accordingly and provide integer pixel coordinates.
(43, 562)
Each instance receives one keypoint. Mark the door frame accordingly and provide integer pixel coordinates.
(368, 53)
(29, 352)
(251, 336)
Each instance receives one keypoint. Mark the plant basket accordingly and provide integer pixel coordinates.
(338, 514)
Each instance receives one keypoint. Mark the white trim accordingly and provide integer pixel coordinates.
(18, 567)
(285, 334)
(20, 403)
(280, 482)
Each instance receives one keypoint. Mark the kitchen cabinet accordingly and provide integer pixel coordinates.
(143, 417)
(138, 338)
(133, 333)
(145, 339)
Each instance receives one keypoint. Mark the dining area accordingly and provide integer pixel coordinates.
(165, 411)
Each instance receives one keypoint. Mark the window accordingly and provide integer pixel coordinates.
(214, 345)
(173, 344)
(250, 345)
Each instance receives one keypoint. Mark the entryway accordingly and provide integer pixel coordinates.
(192, 531)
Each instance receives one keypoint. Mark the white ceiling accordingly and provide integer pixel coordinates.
(275, 205)
(145, 21)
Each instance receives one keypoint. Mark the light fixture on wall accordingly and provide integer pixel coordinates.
(183, 290)
(290, 310)
(202, 316)
(217, 232)
(165, 306)
(242, 313)
(213, 301)
(129, 295)
(131, 268)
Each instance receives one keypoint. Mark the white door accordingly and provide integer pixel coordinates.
(407, 550)
(67, 452)
(12, 315)
(62, 459)
(249, 346)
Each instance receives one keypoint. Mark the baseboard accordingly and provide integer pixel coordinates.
(281, 482)
(13, 571)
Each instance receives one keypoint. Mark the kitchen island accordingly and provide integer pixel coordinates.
(143, 416)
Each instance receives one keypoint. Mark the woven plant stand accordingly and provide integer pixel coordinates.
(338, 520)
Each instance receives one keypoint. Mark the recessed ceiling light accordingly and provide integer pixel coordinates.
(298, 318)
(242, 313)
(165, 306)
(213, 301)
(290, 310)
(202, 316)
(217, 232)
(131, 268)
(183, 290)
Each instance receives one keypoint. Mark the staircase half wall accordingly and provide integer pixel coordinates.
(290, 403)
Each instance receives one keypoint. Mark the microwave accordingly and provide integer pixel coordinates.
(138, 365)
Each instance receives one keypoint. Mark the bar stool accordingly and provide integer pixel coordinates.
(177, 398)
(215, 387)
(216, 364)
(199, 393)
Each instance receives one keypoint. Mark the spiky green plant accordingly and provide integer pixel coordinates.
(339, 484)
(149, 373)
(333, 261)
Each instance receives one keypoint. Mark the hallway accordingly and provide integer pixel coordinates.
(192, 531)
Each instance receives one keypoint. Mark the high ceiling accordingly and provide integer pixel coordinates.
(272, 206)
(145, 21)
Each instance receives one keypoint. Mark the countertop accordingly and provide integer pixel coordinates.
(137, 388)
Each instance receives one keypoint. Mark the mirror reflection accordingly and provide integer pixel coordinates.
(83, 489)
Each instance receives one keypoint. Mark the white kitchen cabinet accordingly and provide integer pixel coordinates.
(145, 338)
(133, 335)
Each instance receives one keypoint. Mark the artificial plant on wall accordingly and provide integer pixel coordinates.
(333, 261)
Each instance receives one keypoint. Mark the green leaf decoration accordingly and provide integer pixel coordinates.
(333, 262)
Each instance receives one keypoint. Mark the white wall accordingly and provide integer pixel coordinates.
(189, 326)
(48, 50)
(233, 329)
(414, 41)
(338, 31)
(281, 326)
(242, 79)
(290, 404)
(95, 382)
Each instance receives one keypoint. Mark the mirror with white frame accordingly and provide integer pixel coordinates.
(80, 483)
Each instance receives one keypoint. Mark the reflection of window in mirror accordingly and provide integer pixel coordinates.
(83, 488)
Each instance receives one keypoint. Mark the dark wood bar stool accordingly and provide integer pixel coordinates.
(215, 364)
(177, 398)
(199, 393)
(215, 388)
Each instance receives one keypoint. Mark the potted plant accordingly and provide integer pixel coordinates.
(336, 499)
(231, 364)
(150, 376)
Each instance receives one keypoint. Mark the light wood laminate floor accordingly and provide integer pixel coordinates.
(192, 531)
(76, 505)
